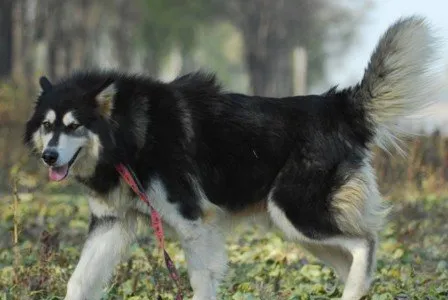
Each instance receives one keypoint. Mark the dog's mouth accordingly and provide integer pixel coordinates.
(61, 172)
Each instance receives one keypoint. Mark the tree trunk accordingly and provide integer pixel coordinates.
(268, 53)
(270, 68)
(87, 21)
(28, 50)
(24, 35)
(122, 34)
(54, 35)
(6, 10)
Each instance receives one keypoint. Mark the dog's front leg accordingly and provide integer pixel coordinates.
(108, 241)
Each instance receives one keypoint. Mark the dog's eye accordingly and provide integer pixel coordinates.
(72, 127)
(47, 125)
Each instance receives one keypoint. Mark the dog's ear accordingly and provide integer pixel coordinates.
(105, 99)
(45, 84)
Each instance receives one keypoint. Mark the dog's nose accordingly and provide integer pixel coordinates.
(50, 156)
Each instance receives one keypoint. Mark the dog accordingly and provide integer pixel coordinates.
(205, 155)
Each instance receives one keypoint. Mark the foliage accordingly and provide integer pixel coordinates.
(413, 260)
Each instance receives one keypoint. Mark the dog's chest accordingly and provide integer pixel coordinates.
(122, 199)
(117, 202)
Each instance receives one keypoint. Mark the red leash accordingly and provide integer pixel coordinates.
(156, 221)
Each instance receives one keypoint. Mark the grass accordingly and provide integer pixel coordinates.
(42, 235)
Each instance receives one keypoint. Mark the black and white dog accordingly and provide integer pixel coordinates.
(205, 156)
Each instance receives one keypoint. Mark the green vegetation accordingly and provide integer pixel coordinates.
(50, 229)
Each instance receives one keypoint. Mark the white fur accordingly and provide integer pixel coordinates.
(100, 208)
(358, 280)
(69, 118)
(400, 79)
(50, 116)
(67, 147)
(104, 249)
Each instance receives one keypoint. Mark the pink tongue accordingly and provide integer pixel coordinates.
(58, 173)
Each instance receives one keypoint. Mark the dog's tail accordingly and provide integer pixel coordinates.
(397, 82)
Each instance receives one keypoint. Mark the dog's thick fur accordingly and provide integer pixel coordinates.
(205, 155)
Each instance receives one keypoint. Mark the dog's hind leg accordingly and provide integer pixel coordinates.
(352, 258)
(339, 226)
(359, 213)
(337, 257)
(109, 239)
(362, 266)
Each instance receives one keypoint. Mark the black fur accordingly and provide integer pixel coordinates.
(241, 145)
(45, 84)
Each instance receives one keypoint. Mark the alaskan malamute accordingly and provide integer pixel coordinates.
(205, 155)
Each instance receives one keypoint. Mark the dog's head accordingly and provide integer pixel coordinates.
(69, 125)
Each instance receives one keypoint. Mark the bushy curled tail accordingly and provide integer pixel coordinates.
(397, 82)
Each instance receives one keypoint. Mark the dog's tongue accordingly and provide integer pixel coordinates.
(58, 173)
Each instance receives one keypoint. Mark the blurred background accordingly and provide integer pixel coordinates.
(264, 47)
